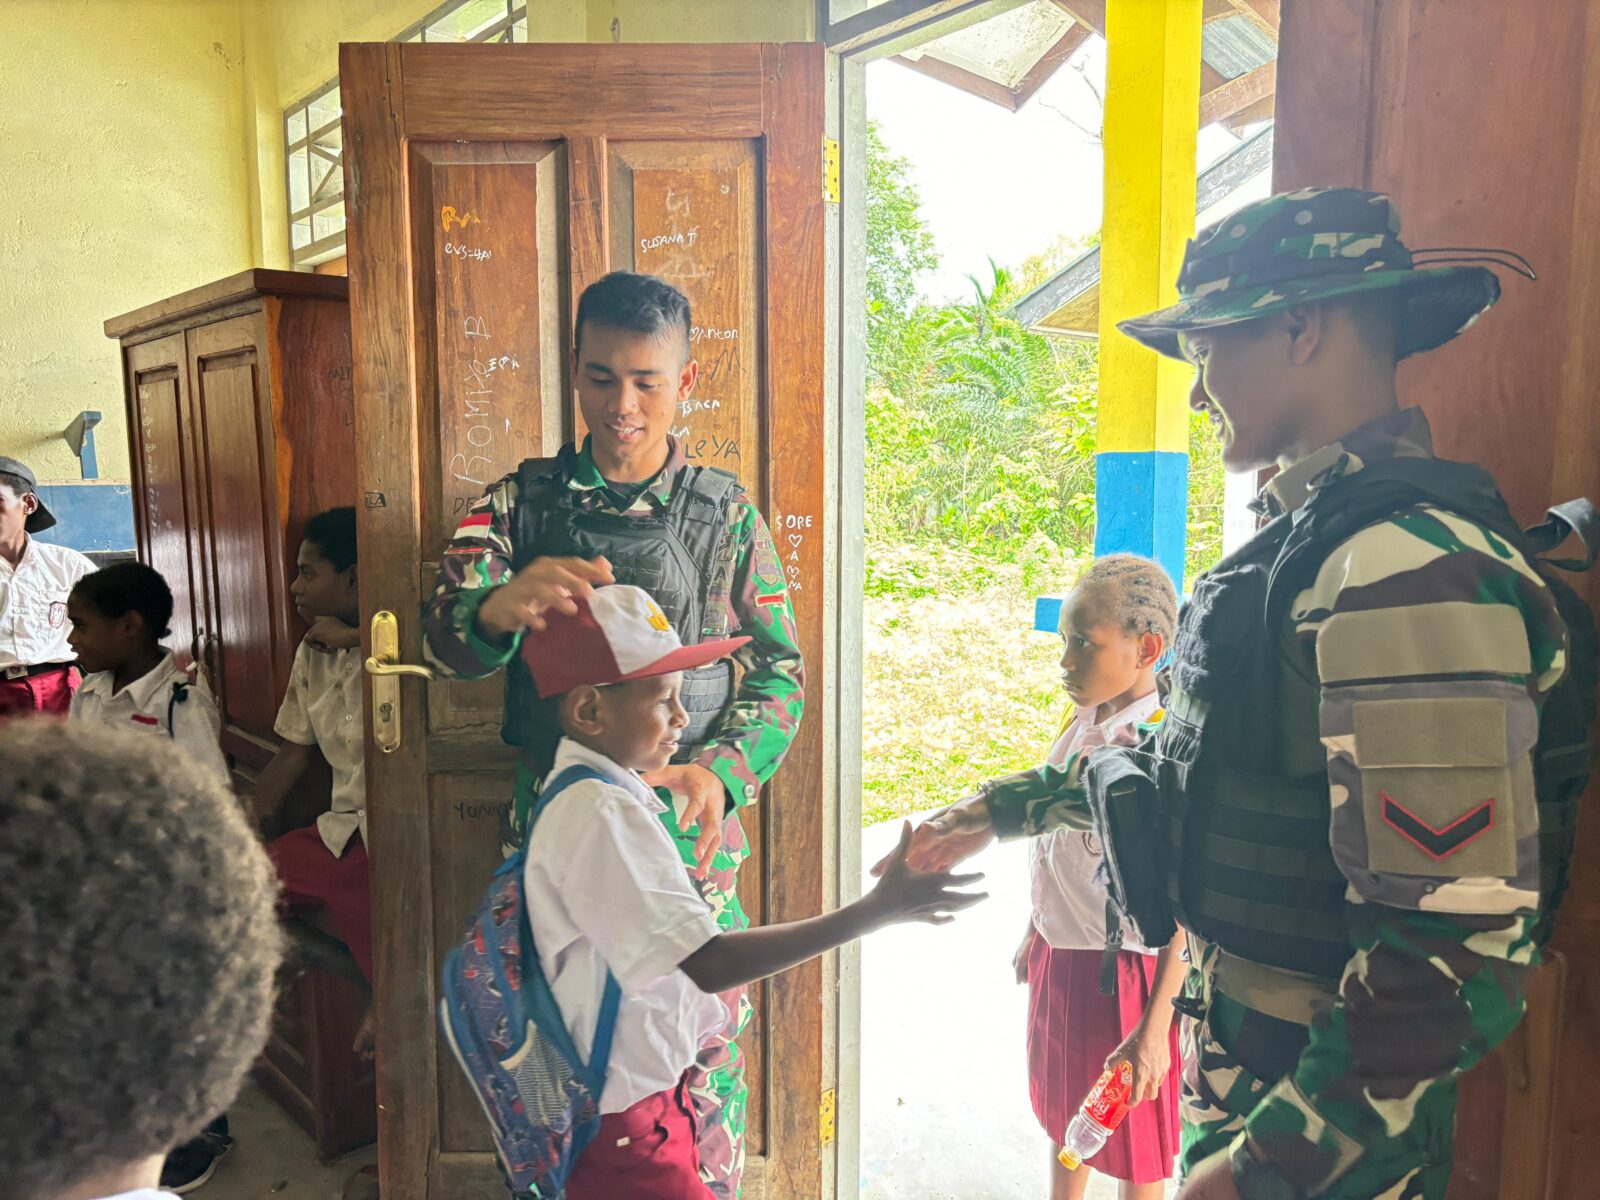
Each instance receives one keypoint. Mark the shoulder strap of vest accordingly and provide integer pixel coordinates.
(699, 509)
(1383, 489)
(540, 483)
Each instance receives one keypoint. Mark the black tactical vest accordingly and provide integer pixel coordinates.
(669, 554)
(1242, 768)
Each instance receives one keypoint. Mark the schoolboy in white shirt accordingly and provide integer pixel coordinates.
(36, 671)
(606, 890)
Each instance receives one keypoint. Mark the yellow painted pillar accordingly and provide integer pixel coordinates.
(1151, 124)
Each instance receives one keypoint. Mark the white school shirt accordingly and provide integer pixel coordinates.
(145, 703)
(1069, 907)
(33, 605)
(605, 887)
(322, 708)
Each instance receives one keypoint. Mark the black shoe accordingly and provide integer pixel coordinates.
(189, 1166)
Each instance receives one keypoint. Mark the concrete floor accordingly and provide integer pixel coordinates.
(945, 1113)
(272, 1158)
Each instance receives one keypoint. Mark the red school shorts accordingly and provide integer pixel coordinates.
(647, 1152)
(47, 692)
(315, 881)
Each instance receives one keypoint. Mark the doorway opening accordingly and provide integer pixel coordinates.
(978, 153)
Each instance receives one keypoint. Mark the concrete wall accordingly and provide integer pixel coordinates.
(122, 161)
(142, 144)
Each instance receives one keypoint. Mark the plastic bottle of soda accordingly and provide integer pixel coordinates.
(1102, 1111)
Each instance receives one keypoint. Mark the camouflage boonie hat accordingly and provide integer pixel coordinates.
(1316, 244)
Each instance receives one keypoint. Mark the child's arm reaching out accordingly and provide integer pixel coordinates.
(732, 959)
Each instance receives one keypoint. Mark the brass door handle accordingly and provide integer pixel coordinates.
(385, 667)
(378, 667)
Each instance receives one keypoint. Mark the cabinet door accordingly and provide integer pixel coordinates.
(162, 452)
(248, 648)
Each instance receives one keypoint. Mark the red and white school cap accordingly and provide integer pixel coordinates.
(618, 635)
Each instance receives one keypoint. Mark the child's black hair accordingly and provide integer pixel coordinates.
(334, 534)
(1142, 597)
(126, 587)
(16, 484)
(139, 932)
(636, 303)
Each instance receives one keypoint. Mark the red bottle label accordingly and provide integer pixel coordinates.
(1107, 1102)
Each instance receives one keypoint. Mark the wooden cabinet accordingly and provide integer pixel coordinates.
(241, 427)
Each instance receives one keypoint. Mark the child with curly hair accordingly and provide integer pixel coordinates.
(139, 930)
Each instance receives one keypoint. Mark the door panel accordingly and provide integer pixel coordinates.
(162, 461)
(533, 170)
(242, 554)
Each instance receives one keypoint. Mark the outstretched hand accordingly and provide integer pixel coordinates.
(907, 894)
(949, 837)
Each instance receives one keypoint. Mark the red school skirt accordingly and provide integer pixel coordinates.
(1072, 1027)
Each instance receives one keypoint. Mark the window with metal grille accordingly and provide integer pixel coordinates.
(314, 137)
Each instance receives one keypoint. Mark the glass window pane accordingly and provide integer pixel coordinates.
(299, 187)
(327, 222)
(325, 109)
(300, 234)
(329, 137)
(294, 126)
(330, 182)
(519, 31)
(467, 22)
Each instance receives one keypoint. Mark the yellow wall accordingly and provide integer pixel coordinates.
(142, 144)
(125, 177)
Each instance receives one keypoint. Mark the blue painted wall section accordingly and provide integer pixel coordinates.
(89, 516)
(1141, 507)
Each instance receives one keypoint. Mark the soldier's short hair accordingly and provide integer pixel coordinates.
(1376, 316)
(140, 939)
(1138, 591)
(636, 303)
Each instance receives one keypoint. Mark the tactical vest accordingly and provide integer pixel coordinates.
(1241, 766)
(669, 554)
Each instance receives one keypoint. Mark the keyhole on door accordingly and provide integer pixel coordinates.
(386, 711)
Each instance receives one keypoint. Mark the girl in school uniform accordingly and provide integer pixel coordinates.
(1116, 623)
(119, 615)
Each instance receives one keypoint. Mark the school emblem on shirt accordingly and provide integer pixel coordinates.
(658, 619)
(58, 613)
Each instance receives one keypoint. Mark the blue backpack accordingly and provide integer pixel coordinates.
(504, 1028)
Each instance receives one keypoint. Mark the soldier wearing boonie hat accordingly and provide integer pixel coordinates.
(1355, 696)
(36, 671)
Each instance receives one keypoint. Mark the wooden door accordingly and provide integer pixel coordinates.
(245, 648)
(161, 441)
(1482, 119)
(488, 187)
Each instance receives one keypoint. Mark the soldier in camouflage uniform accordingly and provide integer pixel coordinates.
(1360, 879)
(696, 541)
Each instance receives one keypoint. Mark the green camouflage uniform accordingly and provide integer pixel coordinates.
(1431, 644)
(748, 598)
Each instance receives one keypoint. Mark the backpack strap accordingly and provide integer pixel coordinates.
(180, 695)
(1578, 516)
(606, 1023)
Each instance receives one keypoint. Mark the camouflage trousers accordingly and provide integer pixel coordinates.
(716, 1081)
(1234, 1053)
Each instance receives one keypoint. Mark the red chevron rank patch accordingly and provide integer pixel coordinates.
(1437, 844)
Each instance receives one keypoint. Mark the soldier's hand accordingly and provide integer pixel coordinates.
(706, 804)
(906, 894)
(1212, 1180)
(950, 836)
(1148, 1049)
(544, 584)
